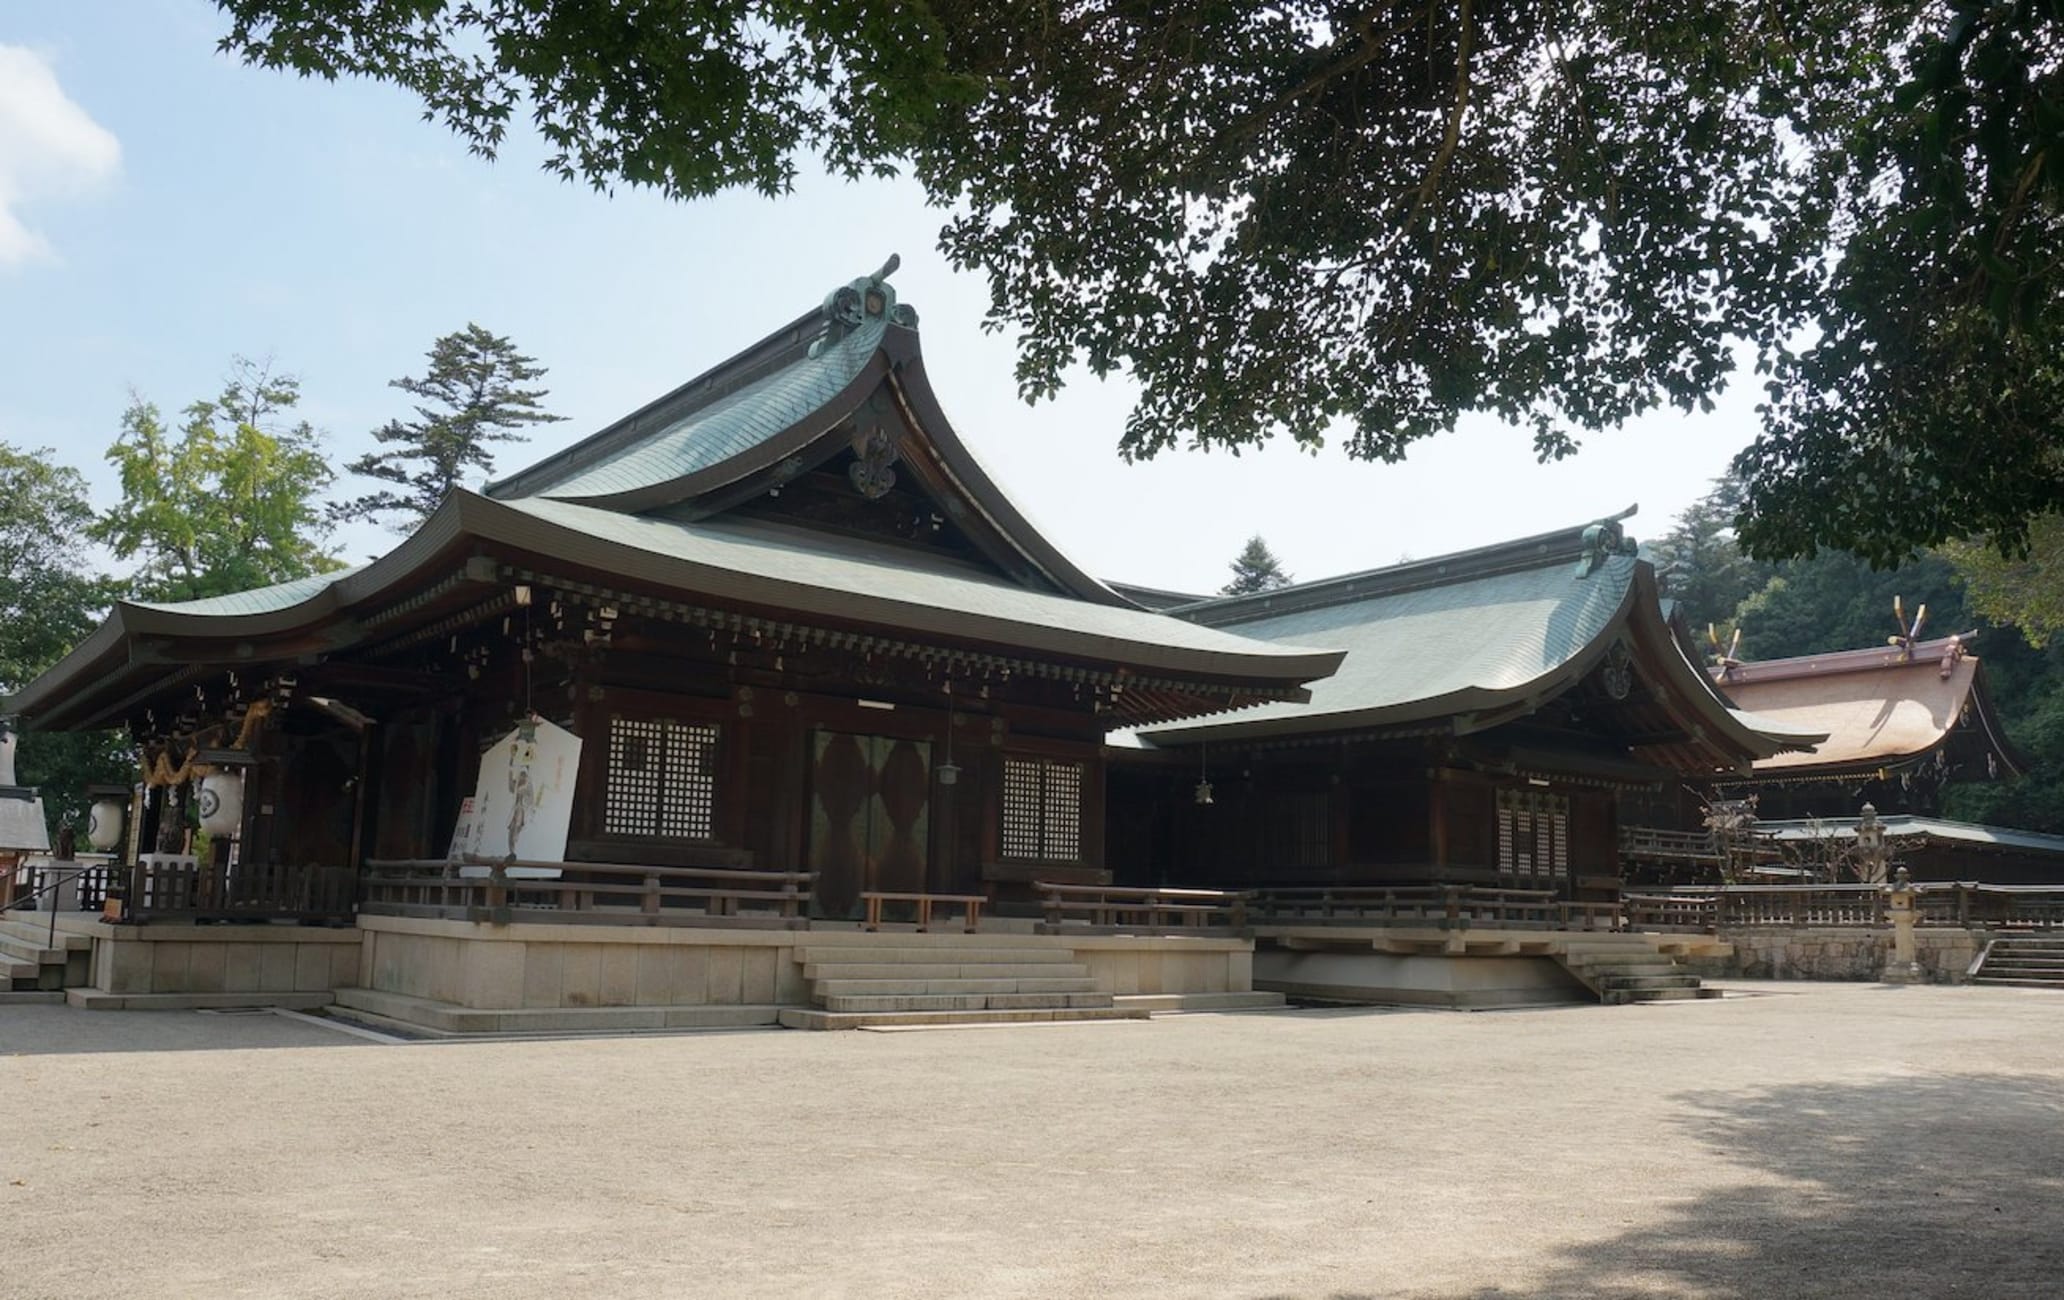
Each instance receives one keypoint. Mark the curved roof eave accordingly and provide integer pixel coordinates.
(133, 619)
(1638, 613)
(515, 525)
(466, 515)
(959, 460)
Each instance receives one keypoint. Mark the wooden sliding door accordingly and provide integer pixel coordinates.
(870, 816)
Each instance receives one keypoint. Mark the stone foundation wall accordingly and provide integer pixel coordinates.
(214, 959)
(1838, 954)
(528, 966)
(1126, 965)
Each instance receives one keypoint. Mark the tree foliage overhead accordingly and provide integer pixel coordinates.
(472, 394)
(50, 599)
(1325, 219)
(1255, 568)
(2026, 590)
(227, 503)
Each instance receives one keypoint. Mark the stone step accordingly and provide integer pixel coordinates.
(816, 971)
(1623, 997)
(21, 975)
(30, 950)
(889, 987)
(35, 927)
(31, 997)
(2015, 982)
(965, 1002)
(955, 954)
(2028, 958)
(799, 1018)
(1601, 969)
(1201, 1002)
(1635, 983)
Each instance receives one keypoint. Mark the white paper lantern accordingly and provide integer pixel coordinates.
(222, 803)
(104, 824)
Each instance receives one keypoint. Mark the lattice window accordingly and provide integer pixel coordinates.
(1042, 810)
(1533, 837)
(662, 779)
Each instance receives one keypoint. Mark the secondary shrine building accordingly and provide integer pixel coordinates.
(1493, 707)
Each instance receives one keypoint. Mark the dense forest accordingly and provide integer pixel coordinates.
(1836, 601)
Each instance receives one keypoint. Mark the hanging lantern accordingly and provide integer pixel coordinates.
(104, 824)
(221, 803)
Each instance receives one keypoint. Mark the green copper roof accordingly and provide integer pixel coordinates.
(789, 567)
(1432, 650)
(259, 600)
(727, 426)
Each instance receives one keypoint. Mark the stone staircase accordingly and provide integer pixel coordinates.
(1623, 968)
(948, 980)
(31, 963)
(2030, 962)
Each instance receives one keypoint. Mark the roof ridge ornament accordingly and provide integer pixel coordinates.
(1602, 541)
(851, 306)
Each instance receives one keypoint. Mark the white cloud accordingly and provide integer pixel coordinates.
(49, 148)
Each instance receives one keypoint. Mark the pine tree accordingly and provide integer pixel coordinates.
(1256, 568)
(1704, 568)
(472, 395)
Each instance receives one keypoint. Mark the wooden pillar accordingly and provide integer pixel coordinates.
(1437, 821)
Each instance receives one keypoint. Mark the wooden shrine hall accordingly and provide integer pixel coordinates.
(703, 719)
(762, 648)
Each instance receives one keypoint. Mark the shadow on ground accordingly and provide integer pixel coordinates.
(60, 1031)
(1929, 1186)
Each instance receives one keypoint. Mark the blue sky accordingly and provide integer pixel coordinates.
(171, 208)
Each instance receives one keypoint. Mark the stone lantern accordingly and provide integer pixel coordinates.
(1870, 846)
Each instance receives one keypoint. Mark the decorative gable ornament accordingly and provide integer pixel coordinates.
(850, 306)
(874, 452)
(1602, 541)
(1619, 671)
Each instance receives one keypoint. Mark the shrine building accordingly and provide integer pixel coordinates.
(765, 704)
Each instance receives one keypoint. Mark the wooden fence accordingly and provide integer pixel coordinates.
(1113, 909)
(183, 891)
(1697, 910)
(1447, 907)
(605, 893)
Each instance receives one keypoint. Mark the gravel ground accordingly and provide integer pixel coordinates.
(1819, 1140)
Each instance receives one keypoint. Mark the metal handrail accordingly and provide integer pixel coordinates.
(49, 886)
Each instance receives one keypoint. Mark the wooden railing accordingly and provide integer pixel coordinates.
(1652, 843)
(1991, 907)
(1693, 912)
(607, 893)
(245, 891)
(1449, 907)
(1702, 910)
(1807, 906)
(1113, 909)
